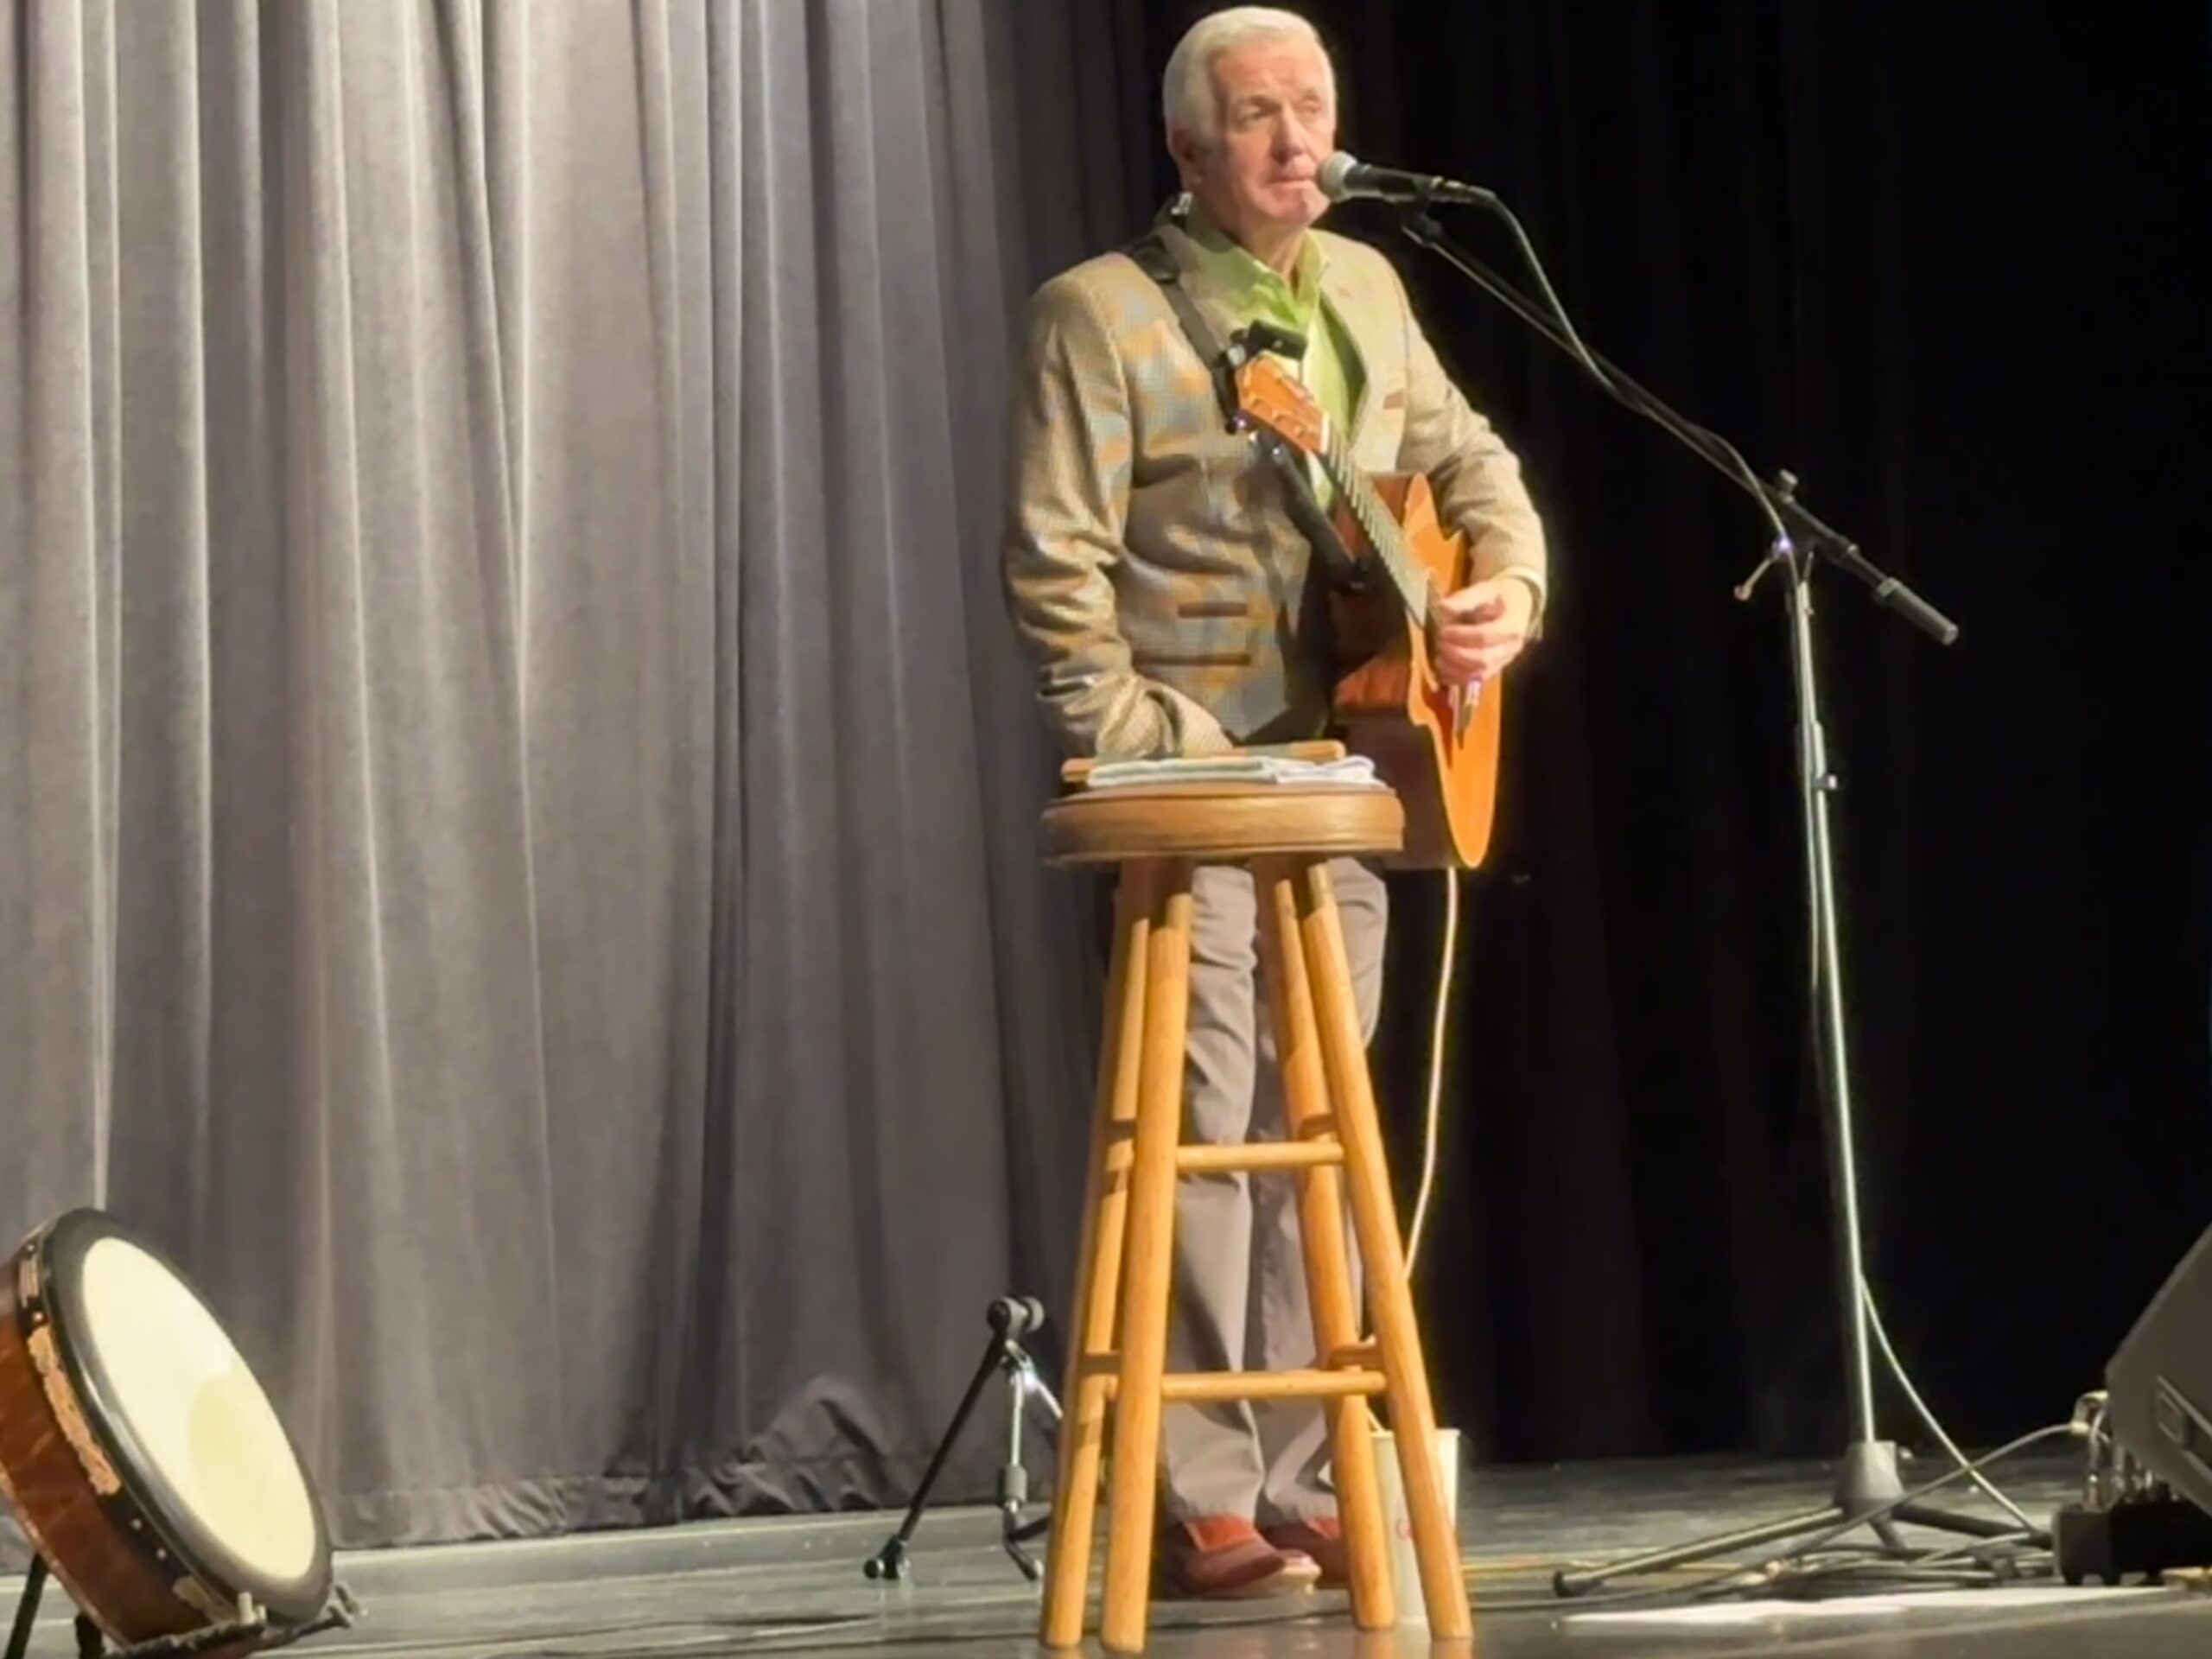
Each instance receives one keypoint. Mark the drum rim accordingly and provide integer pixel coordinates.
(145, 1493)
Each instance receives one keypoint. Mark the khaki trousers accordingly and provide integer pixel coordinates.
(1239, 1301)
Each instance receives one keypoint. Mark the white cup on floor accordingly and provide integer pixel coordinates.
(1397, 1521)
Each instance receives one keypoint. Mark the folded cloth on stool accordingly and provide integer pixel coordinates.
(1352, 772)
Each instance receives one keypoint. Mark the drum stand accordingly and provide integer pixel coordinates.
(91, 1644)
(1010, 1318)
(19, 1639)
(251, 1625)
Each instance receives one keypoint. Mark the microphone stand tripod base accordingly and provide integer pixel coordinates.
(1868, 1492)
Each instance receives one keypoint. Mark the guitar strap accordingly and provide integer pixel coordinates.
(1153, 258)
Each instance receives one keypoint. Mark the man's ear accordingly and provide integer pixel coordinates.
(1189, 156)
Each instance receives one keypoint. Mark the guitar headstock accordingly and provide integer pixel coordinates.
(1267, 396)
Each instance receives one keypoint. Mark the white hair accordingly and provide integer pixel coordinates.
(1186, 90)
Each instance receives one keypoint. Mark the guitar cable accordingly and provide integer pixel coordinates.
(1432, 1113)
(1433, 1110)
(1432, 1107)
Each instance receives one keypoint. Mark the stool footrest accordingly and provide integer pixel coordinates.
(1262, 1385)
(1263, 1154)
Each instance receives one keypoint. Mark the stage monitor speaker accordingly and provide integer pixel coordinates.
(2159, 1381)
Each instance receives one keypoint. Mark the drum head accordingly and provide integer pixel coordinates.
(188, 1428)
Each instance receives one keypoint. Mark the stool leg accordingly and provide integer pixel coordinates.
(1375, 1220)
(1321, 1222)
(1098, 1265)
(1147, 1279)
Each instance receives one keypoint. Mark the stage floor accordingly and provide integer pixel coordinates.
(729, 1587)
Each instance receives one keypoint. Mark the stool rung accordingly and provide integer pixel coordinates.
(1262, 1155)
(1262, 1385)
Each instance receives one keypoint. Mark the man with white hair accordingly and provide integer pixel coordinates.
(1171, 605)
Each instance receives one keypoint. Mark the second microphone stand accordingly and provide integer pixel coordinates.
(1010, 1318)
(1868, 1490)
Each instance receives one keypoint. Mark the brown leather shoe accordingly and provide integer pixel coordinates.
(1321, 1537)
(1221, 1556)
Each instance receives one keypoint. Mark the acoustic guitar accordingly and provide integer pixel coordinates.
(1437, 745)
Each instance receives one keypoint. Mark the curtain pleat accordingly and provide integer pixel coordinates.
(519, 808)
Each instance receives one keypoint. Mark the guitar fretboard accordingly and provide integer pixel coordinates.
(1375, 522)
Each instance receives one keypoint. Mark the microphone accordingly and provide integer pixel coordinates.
(1344, 176)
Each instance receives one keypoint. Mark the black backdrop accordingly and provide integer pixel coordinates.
(1943, 264)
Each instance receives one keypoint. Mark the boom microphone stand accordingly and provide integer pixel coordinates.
(1867, 1489)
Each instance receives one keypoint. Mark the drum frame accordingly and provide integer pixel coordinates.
(109, 1548)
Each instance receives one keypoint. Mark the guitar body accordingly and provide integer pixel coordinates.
(1442, 759)
(1432, 746)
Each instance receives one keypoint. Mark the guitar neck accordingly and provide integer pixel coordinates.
(1376, 524)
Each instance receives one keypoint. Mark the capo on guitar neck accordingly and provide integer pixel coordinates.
(1255, 338)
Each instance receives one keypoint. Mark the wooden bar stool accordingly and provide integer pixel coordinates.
(1157, 835)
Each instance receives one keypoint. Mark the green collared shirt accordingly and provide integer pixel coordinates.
(1331, 368)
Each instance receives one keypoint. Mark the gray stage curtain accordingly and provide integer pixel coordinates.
(517, 828)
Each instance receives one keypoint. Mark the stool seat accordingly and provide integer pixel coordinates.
(1219, 822)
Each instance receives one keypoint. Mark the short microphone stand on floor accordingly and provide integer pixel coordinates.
(1010, 1319)
(1868, 1490)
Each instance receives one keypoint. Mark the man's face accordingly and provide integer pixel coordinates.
(1278, 121)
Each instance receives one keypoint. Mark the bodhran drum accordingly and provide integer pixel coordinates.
(140, 1454)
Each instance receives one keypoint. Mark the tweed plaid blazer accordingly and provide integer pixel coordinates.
(1153, 570)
